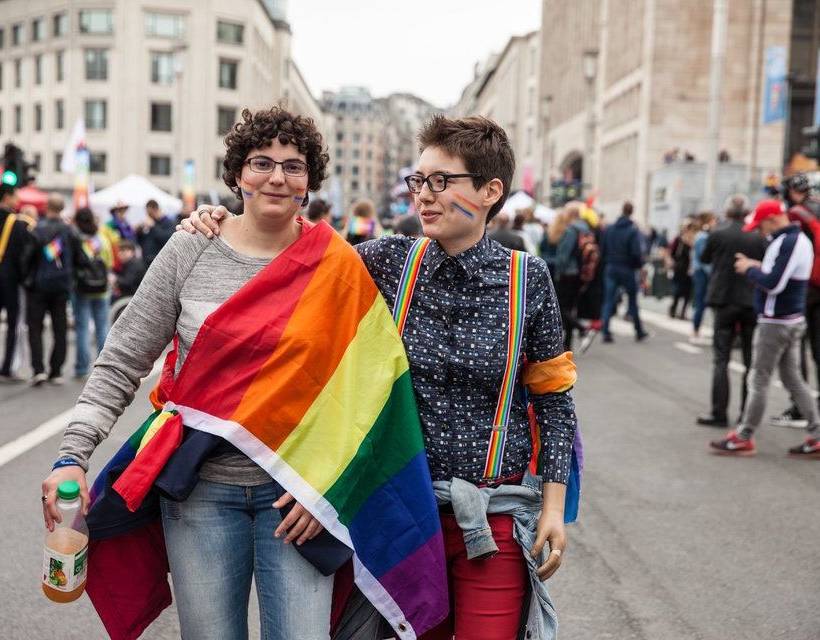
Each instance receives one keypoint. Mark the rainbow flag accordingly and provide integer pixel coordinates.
(324, 403)
(360, 226)
(53, 250)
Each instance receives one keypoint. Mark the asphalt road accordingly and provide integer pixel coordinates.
(672, 543)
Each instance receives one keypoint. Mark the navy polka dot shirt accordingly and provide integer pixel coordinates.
(455, 338)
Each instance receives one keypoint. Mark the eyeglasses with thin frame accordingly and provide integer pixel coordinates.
(436, 182)
(262, 164)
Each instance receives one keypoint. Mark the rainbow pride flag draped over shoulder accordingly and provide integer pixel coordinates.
(304, 371)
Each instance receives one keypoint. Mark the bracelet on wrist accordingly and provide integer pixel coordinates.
(65, 462)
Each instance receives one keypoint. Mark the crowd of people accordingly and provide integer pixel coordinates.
(69, 269)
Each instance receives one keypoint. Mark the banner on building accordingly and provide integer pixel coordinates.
(188, 191)
(776, 89)
(82, 170)
(817, 93)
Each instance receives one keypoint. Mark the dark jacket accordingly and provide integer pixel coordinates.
(507, 238)
(155, 238)
(35, 260)
(622, 245)
(129, 277)
(14, 266)
(725, 285)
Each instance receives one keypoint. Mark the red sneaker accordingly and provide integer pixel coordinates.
(733, 445)
(810, 449)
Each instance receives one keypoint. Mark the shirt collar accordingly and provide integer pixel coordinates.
(470, 260)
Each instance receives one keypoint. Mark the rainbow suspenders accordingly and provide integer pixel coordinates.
(517, 312)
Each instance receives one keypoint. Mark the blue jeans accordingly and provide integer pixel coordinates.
(615, 278)
(86, 309)
(700, 281)
(220, 538)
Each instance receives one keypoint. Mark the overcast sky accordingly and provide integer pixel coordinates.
(424, 47)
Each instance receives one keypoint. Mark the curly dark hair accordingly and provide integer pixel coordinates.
(258, 129)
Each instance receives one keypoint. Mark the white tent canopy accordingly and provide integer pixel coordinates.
(134, 191)
(518, 200)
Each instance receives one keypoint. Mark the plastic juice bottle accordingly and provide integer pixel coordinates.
(65, 557)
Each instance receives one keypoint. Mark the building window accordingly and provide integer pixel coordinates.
(354, 185)
(357, 138)
(355, 154)
(16, 35)
(97, 21)
(229, 33)
(164, 25)
(37, 30)
(59, 68)
(162, 67)
(218, 168)
(18, 73)
(58, 160)
(38, 158)
(59, 115)
(159, 165)
(355, 169)
(1, 121)
(1, 76)
(338, 169)
(38, 69)
(18, 118)
(160, 116)
(2, 37)
(339, 153)
(38, 117)
(228, 70)
(97, 162)
(60, 25)
(96, 64)
(226, 116)
(95, 114)
(340, 136)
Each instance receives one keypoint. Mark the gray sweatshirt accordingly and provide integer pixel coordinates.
(188, 280)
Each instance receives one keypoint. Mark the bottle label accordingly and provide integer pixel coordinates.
(65, 571)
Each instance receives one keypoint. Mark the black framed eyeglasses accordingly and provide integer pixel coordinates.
(262, 164)
(436, 182)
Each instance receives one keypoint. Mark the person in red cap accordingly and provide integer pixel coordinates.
(780, 282)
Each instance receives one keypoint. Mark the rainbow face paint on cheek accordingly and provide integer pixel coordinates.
(465, 206)
(246, 193)
(299, 200)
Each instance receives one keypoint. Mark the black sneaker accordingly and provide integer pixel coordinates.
(608, 338)
(791, 417)
(642, 336)
(712, 421)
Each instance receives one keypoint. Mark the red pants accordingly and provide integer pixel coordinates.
(486, 596)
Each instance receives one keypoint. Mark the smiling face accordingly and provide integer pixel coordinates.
(275, 195)
(458, 213)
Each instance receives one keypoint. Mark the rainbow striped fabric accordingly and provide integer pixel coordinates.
(323, 402)
(360, 226)
(53, 250)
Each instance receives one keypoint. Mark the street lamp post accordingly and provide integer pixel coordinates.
(590, 68)
(178, 155)
(546, 160)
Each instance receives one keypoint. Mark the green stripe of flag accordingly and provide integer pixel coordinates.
(392, 442)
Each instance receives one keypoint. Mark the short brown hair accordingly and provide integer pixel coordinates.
(364, 209)
(258, 129)
(480, 143)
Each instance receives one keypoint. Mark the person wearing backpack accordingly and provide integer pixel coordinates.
(572, 247)
(48, 286)
(14, 242)
(92, 288)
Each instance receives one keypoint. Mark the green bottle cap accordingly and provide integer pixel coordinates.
(68, 490)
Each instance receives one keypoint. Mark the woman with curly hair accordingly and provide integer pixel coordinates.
(229, 529)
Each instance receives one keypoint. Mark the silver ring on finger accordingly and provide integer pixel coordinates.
(556, 552)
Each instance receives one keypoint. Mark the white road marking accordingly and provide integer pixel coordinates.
(688, 348)
(48, 429)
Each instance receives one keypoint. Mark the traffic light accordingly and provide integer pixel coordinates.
(17, 171)
(812, 150)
